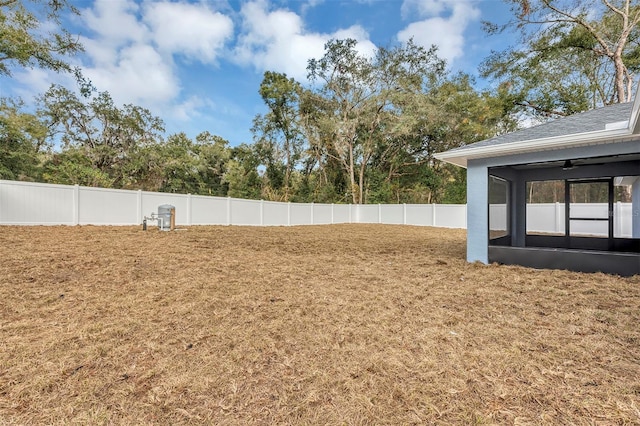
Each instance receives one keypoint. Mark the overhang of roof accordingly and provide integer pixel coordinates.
(613, 132)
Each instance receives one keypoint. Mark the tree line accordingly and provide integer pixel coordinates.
(363, 129)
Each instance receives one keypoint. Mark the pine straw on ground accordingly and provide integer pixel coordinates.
(345, 324)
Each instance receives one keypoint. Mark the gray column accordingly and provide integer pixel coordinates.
(477, 213)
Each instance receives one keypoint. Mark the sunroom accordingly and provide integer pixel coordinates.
(561, 195)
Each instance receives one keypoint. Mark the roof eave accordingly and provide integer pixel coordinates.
(461, 157)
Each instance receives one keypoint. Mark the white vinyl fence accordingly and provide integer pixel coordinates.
(27, 203)
(549, 218)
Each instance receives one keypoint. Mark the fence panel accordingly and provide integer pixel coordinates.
(450, 216)
(420, 214)
(341, 213)
(275, 213)
(392, 214)
(98, 206)
(301, 213)
(245, 212)
(26, 203)
(322, 214)
(623, 220)
(209, 210)
(549, 218)
(368, 213)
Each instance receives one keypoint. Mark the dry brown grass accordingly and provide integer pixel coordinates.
(347, 324)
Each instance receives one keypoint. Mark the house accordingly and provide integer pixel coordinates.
(583, 157)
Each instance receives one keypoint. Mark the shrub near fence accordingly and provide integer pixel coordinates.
(28, 203)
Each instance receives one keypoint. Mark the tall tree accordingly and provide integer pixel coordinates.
(106, 134)
(30, 35)
(357, 100)
(574, 55)
(278, 132)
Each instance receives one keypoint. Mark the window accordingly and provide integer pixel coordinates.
(623, 205)
(498, 209)
(545, 207)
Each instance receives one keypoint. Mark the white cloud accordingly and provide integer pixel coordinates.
(131, 49)
(190, 108)
(115, 22)
(36, 81)
(277, 40)
(190, 29)
(447, 32)
(139, 76)
(423, 8)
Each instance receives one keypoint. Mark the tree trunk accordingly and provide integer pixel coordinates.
(352, 176)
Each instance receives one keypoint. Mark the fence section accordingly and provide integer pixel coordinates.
(27, 203)
(549, 218)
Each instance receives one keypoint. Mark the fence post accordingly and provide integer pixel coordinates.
(332, 220)
(138, 220)
(261, 212)
(228, 211)
(433, 214)
(312, 218)
(76, 204)
(404, 213)
(188, 209)
(379, 213)
(289, 213)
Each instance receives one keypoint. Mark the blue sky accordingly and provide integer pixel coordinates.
(198, 65)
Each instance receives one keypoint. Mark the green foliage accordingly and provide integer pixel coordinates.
(25, 40)
(572, 56)
(242, 176)
(455, 188)
(22, 140)
(106, 134)
(74, 167)
(367, 128)
(277, 134)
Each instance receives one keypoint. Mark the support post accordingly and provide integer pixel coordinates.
(477, 213)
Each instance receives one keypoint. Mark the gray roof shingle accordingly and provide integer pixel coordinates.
(588, 121)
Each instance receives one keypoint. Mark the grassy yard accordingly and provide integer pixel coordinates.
(342, 324)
